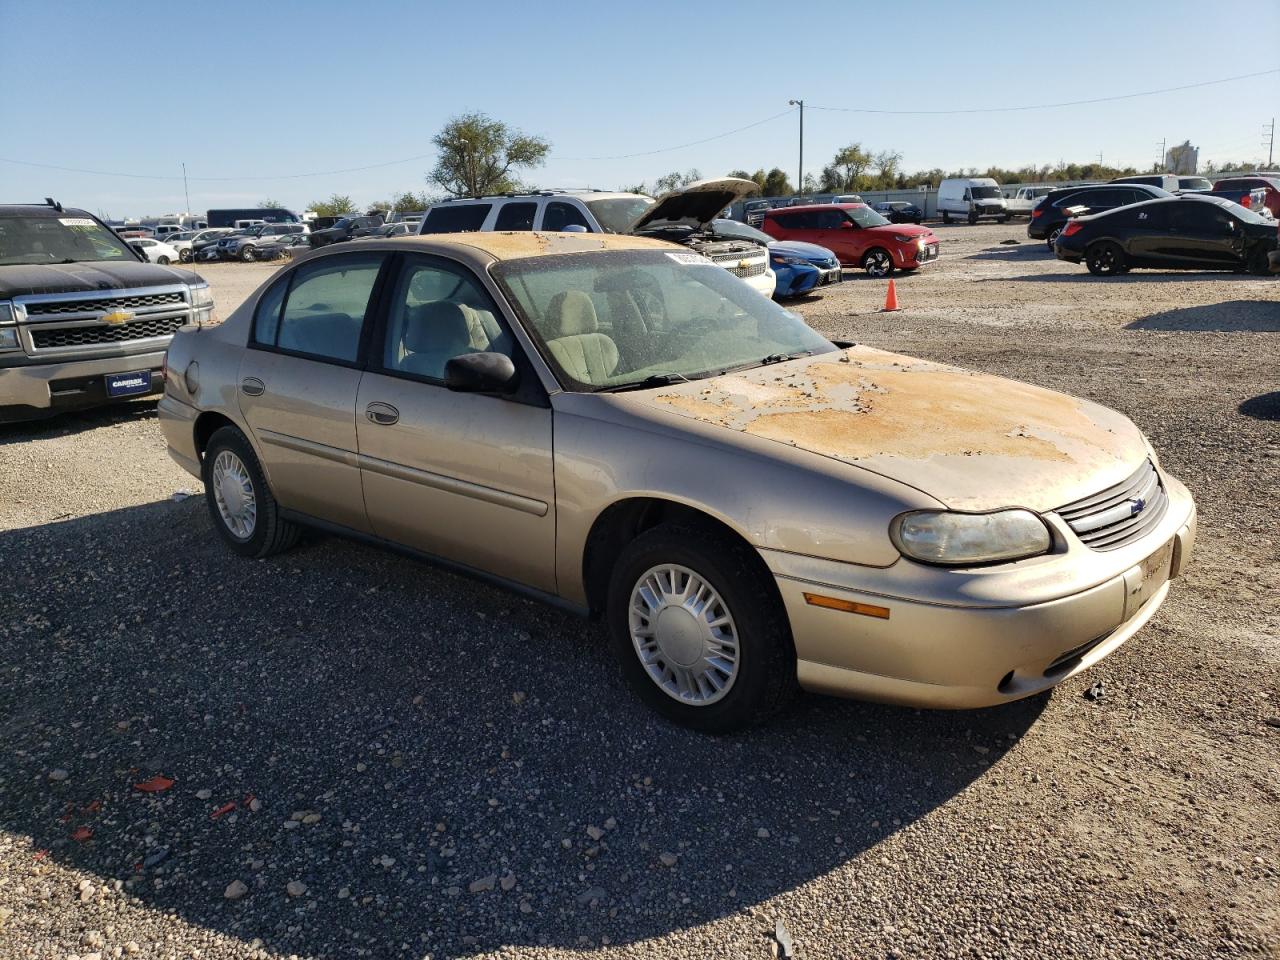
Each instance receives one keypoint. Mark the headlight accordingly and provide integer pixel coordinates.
(6, 313)
(780, 259)
(905, 239)
(202, 304)
(959, 539)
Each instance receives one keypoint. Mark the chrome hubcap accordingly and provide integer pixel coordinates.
(684, 635)
(233, 493)
(877, 264)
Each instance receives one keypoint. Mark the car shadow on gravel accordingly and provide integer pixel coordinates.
(1232, 316)
(77, 421)
(1081, 274)
(1023, 251)
(437, 763)
(1263, 407)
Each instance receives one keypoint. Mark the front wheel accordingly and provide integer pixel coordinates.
(246, 254)
(699, 630)
(244, 512)
(973, 217)
(1259, 263)
(185, 256)
(878, 263)
(1004, 219)
(946, 217)
(1105, 259)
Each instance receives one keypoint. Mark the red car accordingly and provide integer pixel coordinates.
(1270, 182)
(858, 235)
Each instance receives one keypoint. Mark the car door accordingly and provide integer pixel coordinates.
(463, 476)
(1204, 234)
(299, 380)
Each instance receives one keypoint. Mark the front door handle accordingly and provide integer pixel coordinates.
(252, 387)
(383, 414)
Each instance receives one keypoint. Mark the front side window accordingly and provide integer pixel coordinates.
(439, 311)
(456, 218)
(515, 216)
(865, 217)
(617, 214)
(626, 318)
(559, 215)
(321, 313)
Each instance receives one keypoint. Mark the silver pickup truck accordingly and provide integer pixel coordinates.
(83, 319)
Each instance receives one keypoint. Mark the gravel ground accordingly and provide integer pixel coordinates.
(370, 757)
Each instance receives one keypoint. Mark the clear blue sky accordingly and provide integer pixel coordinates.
(284, 87)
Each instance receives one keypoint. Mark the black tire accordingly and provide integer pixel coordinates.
(766, 673)
(1052, 237)
(163, 260)
(1004, 219)
(270, 533)
(247, 254)
(185, 256)
(946, 217)
(1105, 259)
(973, 217)
(1259, 264)
(878, 262)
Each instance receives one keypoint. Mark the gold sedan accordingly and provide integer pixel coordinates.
(622, 427)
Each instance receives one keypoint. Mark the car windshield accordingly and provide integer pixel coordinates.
(865, 217)
(345, 221)
(63, 239)
(610, 320)
(985, 193)
(1194, 183)
(740, 231)
(1245, 213)
(617, 214)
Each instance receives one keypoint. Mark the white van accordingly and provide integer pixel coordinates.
(971, 198)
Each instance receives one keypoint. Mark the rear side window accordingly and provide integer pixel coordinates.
(515, 216)
(321, 313)
(460, 218)
(559, 215)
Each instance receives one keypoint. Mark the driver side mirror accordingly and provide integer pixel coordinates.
(481, 373)
(847, 225)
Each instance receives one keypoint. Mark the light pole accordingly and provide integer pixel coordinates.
(800, 179)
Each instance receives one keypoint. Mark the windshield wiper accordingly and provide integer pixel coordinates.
(653, 380)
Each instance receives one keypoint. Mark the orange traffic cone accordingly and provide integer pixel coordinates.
(890, 300)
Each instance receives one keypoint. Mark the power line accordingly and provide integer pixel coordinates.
(1050, 106)
(642, 153)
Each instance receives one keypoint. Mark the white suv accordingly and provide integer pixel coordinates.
(684, 216)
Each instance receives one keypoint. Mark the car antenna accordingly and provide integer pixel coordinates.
(53, 203)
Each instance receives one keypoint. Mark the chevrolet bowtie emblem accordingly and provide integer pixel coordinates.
(117, 317)
(744, 264)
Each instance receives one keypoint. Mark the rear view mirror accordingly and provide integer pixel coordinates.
(481, 373)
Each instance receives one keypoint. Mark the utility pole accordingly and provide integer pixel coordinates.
(1160, 162)
(185, 193)
(800, 179)
(1270, 131)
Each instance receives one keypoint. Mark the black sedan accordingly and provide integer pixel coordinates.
(898, 211)
(1179, 233)
(1050, 214)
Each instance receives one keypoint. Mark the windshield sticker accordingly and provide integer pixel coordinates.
(689, 258)
(76, 222)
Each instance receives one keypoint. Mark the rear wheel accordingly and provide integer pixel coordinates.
(185, 256)
(946, 217)
(1004, 219)
(1054, 234)
(699, 630)
(1105, 259)
(244, 512)
(878, 262)
(163, 260)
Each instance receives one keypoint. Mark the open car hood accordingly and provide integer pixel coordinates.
(695, 205)
(971, 440)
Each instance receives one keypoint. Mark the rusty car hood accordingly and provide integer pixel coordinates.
(971, 440)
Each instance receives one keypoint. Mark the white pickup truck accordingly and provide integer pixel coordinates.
(1021, 202)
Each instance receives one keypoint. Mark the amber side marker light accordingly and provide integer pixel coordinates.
(848, 606)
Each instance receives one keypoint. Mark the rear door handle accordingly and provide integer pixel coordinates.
(252, 386)
(383, 414)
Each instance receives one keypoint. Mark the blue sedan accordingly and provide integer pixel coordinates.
(800, 268)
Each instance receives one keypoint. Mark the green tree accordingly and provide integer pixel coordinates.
(410, 201)
(271, 204)
(335, 206)
(846, 169)
(479, 155)
(674, 180)
(776, 184)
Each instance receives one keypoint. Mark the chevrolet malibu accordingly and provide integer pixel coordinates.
(617, 425)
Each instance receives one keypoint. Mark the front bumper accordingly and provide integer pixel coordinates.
(34, 390)
(913, 257)
(762, 283)
(972, 649)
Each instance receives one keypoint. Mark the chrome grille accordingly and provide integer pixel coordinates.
(105, 333)
(1121, 514)
(47, 307)
(755, 270)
